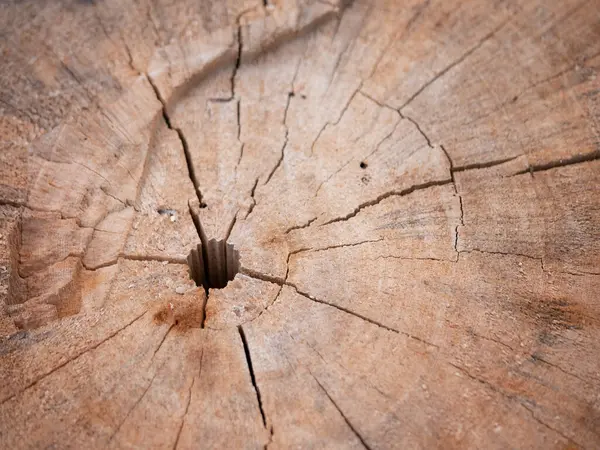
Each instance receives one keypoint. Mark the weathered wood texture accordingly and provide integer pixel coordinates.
(413, 188)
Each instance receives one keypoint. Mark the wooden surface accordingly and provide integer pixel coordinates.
(413, 188)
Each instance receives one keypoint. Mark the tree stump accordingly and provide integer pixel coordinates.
(300, 224)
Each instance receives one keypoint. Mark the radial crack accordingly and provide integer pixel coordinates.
(522, 255)
(560, 433)
(261, 276)
(566, 372)
(486, 165)
(299, 227)
(137, 402)
(252, 376)
(576, 159)
(285, 141)
(253, 204)
(68, 361)
(419, 129)
(460, 201)
(344, 109)
(382, 197)
(331, 247)
(510, 397)
(360, 316)
(187, 407)
(162, 341)
(182, 139)
(455, 63)
(403, 258)
(159, 258)
(339, 410)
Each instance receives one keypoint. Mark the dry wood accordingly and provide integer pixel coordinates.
(400, 196)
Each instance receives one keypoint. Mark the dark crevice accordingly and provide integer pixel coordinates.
(159, 258)
(285, 141)
(414, 122)
(382, 197)
(196, 220)
(462, 222)
(231, 225)
(331, 247)
(239, 134)
(252, 376)
(270, 441)
(213, 264)
(204, 304)
(89, 268)
(280, 160)
(262, 276)
(198, 270)
(234, 71)
(299, 227)
(238, 62)
(405, 258)
(253, 204)
(352, 428)
(577, 159)
(184, 143)
(485, 165)
(450, 162)
(462, 214)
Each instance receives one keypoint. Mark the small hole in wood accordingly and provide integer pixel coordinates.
(203, 205)
(213, 264)
(363, 165)
(166, 212)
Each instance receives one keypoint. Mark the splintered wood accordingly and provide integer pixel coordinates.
(401, 197)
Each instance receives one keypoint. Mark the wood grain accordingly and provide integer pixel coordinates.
(411, 188)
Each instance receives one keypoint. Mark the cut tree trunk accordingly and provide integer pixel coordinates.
(300, 224)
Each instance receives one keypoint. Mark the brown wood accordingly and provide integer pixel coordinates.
(412, 188)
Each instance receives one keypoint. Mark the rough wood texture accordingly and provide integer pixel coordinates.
(412, 188)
